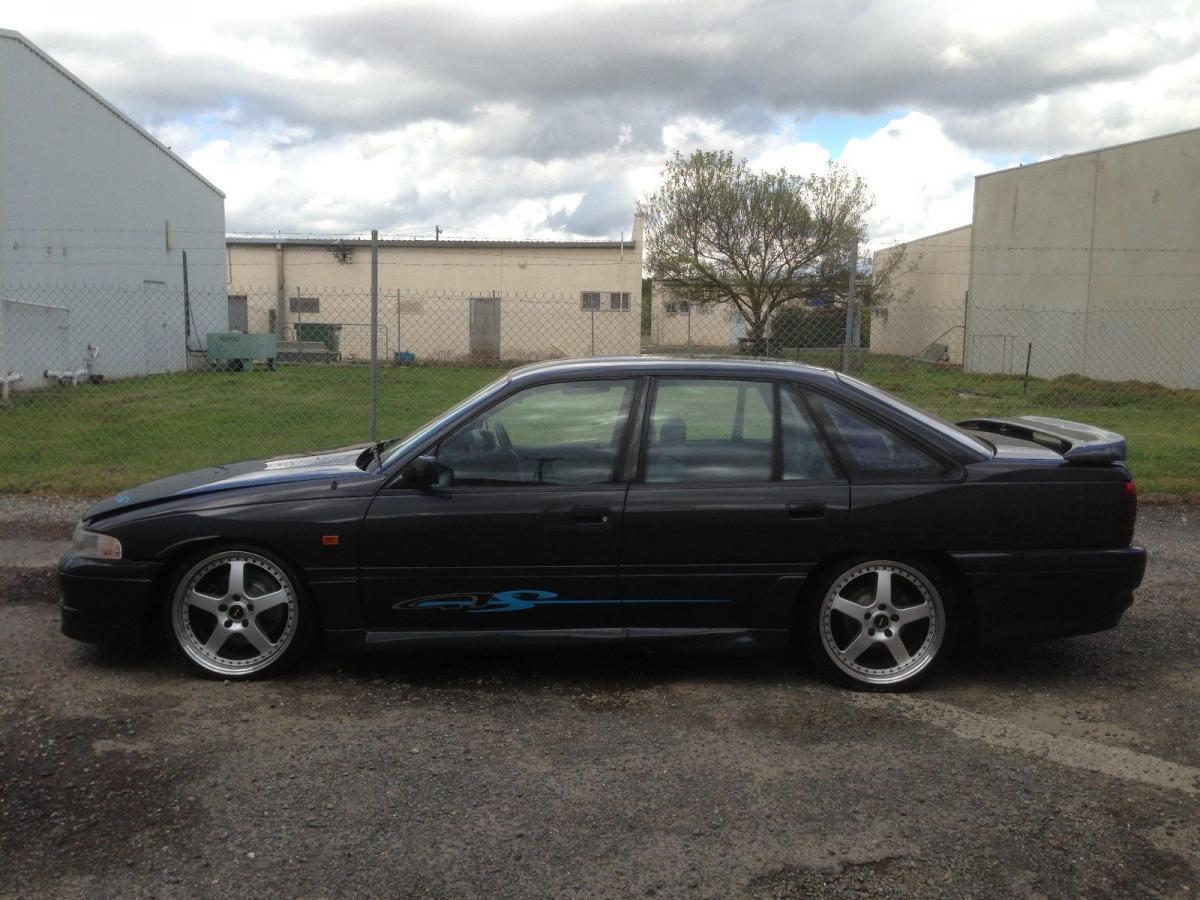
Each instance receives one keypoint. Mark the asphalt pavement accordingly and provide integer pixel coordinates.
(1064, 769)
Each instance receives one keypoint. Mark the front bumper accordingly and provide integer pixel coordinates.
(1049, 593)
(106, 601)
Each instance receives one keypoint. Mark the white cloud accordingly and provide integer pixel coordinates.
(923, 181)
(548, 117)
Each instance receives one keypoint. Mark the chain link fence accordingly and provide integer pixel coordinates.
(105, 386)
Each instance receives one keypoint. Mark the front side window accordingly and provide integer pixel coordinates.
(555, 434)
(875, 451)
(710, 430)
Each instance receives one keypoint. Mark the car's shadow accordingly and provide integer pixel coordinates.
(1074, 661)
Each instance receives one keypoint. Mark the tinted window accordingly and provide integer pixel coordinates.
(874, 450)
(805, 457)
(710, 430)
(567, 433)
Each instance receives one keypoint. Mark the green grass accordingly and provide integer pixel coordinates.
(96, 439)
(99, 439)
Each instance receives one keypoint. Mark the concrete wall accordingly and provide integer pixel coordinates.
(1095, 260)
(85, 196)
(930, 285)
(706, 325)
(426, 290)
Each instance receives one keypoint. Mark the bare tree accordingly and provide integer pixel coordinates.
(720, 232)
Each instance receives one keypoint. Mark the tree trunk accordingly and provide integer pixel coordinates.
(755, 341)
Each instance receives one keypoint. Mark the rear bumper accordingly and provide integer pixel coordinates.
(105, 601)
(1049, 593)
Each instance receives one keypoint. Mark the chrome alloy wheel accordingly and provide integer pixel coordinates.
(234, 613)
(882, 622)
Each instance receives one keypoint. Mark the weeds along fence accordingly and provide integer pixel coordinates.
(106, 385)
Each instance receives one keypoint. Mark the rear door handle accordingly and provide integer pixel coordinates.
(814, 510)
(590, 515)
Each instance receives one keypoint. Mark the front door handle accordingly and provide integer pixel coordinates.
(590, 515)
(814, 510)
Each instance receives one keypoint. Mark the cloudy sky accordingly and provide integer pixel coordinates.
(546, 119)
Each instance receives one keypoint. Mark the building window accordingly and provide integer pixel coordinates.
(304, 305)
(589, 300)
(676, 307)
(618, 301)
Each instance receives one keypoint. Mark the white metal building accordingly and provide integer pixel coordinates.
(927, 315)
(1094, 259)
(95, 218)
(1086, 264)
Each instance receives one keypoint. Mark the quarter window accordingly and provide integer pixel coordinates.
(708, 430)
(805, 457)
(568, 433)
(875, 451)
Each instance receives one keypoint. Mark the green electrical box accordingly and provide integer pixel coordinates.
(233, 350)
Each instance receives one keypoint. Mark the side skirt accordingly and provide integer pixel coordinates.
(359, 640)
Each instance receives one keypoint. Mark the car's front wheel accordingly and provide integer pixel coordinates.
(238, 613)
(878, 624)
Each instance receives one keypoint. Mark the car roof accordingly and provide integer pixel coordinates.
(610, 366)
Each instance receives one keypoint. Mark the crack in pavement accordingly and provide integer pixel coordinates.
(1074, 752)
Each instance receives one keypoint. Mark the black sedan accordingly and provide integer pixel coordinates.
(630, 500)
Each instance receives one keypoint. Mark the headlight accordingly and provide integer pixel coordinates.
(95, 546)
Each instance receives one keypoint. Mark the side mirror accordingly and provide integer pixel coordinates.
(424, 471)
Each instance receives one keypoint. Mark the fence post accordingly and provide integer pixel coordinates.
(374, 334)
(850, 308)
(593, 312)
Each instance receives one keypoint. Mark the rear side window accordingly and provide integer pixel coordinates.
(874, 451)
(710, 430)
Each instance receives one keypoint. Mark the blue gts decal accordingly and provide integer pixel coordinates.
(519, 600)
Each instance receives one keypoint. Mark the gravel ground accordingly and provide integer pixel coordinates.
(1063, 769)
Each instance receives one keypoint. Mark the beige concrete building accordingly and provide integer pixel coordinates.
(677, 323)
(444, 300)
(1094, 259)
(926, 316)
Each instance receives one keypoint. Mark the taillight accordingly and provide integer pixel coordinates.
(1130, 506)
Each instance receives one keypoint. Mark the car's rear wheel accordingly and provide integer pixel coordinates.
(878, 624)
(238, 613)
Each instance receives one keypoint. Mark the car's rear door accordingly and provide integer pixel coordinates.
(737, 498)
(524, 530)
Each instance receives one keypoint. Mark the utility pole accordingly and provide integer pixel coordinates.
(374, 334)
(851, 317)
(437, 232)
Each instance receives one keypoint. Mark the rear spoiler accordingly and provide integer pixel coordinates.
(1075, 441)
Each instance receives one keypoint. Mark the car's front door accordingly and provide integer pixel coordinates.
(738, 497)
(522, 531)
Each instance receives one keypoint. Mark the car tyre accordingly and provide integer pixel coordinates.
(238, 612)
(877, 624)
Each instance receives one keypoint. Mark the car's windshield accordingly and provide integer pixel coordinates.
(397, 447)
(949, 429)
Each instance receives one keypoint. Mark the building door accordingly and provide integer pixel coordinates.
(485, 328)
(155, 331)
(239, 318)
